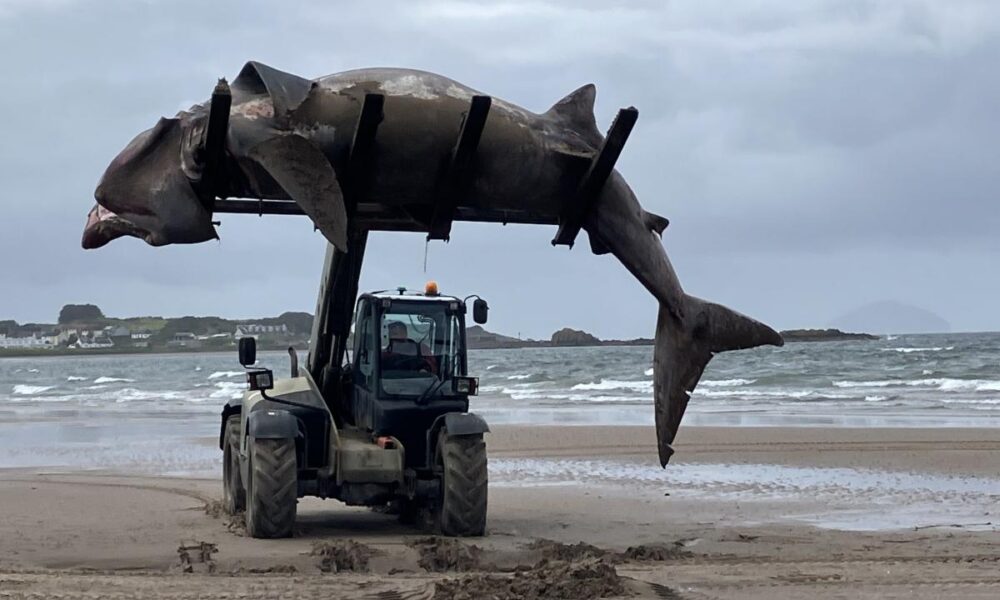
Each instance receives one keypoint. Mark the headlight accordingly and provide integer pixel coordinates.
(468, 386)
(261, 379)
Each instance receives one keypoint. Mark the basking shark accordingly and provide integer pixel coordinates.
(294, 145)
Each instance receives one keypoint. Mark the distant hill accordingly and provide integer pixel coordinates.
(477, 337)
(891, 317)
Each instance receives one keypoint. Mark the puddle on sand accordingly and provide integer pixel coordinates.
(850, 499)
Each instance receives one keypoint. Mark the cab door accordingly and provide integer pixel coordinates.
(365, 365)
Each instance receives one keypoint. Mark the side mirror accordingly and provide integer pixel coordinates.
(248, 351)
(480, 311)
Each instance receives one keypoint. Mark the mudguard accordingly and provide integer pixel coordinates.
(464, 423)
(454, 423)
(272, 424)
(233, 407)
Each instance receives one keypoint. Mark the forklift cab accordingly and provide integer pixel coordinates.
(409, 366)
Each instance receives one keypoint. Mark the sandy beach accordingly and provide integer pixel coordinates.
(574, 512)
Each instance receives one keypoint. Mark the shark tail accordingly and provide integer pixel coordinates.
(686, 340)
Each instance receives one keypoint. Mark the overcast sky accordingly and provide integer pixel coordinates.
(812, 156)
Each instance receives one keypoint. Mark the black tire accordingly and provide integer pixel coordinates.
(272, 492)
(464, 483)
(234, 495)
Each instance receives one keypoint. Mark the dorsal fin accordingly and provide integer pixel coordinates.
(655, 222)
(286, 91)
(576, 110)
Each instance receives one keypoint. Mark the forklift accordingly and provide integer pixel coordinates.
(387, 426)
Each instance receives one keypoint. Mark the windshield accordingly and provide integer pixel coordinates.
(421, 348)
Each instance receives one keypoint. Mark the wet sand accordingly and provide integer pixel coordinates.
(742, 513)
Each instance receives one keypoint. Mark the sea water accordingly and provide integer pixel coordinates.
(159, 413)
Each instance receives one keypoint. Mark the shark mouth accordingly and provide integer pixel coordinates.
(104, 225)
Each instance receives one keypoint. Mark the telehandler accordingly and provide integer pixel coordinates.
(388, 428)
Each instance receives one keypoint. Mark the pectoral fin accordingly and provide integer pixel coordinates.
(303, 171)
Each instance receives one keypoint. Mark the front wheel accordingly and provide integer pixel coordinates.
(272, 492)
(234, 497)
(464, 482)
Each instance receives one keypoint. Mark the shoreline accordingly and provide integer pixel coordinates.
(754, 513)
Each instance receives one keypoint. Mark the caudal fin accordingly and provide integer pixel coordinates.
(685, 341)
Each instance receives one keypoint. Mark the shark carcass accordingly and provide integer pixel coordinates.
(405, 150)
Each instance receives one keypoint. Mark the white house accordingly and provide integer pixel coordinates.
(255, 329)
(32, 341)
(95, 342)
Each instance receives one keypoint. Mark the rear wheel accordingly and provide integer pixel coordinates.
(464, 482)
(272, 492)
(234, 498)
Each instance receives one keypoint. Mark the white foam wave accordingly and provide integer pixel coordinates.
(768, 394)
(33, 370)
(221, 374)
(75, 378)
(560, 396)
(944, 384)
(648, 372)
(133, 395)
(977, 385)
(31, 390)
(875, 398)
(615, 384)
(519, 376)
(726, 382)
(113, 380)
(909, 350)
(228, 390)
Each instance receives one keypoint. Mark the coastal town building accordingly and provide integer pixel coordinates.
(28, 341)
(90, 343)
(255, 329)
(184, 339)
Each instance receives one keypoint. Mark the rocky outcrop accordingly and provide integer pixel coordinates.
(574, 337)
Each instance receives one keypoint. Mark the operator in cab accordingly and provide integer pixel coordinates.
(403, 354)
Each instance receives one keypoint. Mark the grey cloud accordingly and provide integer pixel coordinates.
(812, 156)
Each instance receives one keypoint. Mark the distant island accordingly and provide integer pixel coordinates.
(84, 329)
(890, 316)
(823, 335)
(478, 338)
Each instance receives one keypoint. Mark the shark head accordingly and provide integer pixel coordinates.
(149, 190)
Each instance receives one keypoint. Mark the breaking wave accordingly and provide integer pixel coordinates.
(75, 378)
(228, 390)
(615, 384)
(101, 380)
(726, 382)
(945, 384)
(31, 390)
(909, 350)
(221, 374)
